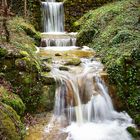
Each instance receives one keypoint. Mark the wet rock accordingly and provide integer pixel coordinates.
(104, 76)
(58, 54)
(11, 127)
(73, 61)
(43, 43)
(63, 68)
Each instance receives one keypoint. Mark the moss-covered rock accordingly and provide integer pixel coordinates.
(12, 100)
(133, 132)
(64, 68)
(11, 127)
(3, 51)
(73, 61)
(47, 79)
(47, 98)
(46, 67)
(21, 66)
(29, 37)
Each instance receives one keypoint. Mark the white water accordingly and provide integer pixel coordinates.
(53, 16)
(60, 42)
(110, 130)
(60, 48)
(83, 101)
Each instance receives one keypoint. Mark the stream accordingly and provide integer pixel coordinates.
(83, 109)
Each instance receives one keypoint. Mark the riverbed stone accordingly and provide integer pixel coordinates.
(43, 43)
(73, 61)
(64, 68)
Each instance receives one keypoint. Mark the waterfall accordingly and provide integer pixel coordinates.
(83, 106)
(53, 25)
(59, 42)
(53, 16)
(83, 101)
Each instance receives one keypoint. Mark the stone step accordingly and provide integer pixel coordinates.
(58, 35)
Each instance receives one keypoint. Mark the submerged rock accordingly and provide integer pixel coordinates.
(64, 68)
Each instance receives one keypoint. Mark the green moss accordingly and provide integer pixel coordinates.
(137, 119)
(122, 37)
(11, 127)
(73, 61)
(28, 64)
(3, 51)
(12, 100)
(72, 14)
(24, 53)
(133, 132)
(27, 79)
(21, 66)
(33, 11)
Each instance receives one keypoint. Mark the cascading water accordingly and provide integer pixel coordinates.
(83, 102)
(59, 42)
(83, 108)
(53, 25)
(53, 16)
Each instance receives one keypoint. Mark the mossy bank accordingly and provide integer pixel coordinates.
(21, 87)
(113, 31)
